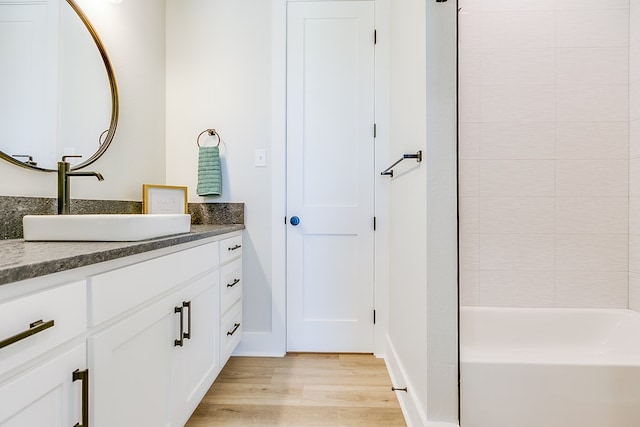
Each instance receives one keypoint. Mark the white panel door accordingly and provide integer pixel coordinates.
(330, 176)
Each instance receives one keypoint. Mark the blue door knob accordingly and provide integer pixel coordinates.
(294, 220)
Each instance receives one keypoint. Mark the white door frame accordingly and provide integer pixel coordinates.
(337, 225)
(276, 340)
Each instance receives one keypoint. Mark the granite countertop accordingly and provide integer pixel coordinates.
(20, 260)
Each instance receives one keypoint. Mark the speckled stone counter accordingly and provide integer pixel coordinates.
(20, 260)
(12, 209)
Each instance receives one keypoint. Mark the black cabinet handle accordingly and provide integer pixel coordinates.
(235, 282)
(235, 328)
(233, 248)
(34, 328)
(187, 335)
(83, 375)
(180, 341)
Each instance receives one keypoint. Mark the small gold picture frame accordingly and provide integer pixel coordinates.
(164, 199)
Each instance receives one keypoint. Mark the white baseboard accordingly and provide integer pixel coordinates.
(413, 413)
(412, 409)
(259, 344)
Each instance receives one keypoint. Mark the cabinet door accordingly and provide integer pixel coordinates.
(45, 396)
(131, 365)
(196, 362)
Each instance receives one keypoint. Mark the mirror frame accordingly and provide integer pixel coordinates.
(115, 105)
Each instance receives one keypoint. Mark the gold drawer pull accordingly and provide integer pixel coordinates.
(34, 328)
(83, 375)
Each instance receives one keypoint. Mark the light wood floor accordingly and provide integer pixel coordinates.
(301, 390)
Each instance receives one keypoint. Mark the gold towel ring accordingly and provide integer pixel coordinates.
(210, 132)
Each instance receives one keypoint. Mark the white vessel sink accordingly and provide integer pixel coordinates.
(103, 228)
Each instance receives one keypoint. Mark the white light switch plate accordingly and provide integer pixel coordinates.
(260, 157)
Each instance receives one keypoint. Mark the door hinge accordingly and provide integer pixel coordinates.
(375, 36)
(374, 317)
(375, 130)
(375, 223)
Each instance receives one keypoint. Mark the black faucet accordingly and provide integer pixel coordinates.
(64, 173)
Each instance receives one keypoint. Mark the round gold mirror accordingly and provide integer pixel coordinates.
(56, 99)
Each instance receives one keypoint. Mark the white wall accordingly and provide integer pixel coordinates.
(422, 338)
(408, 200)
(219, 75)
(544, 153)
(442, 219)
(133, 34)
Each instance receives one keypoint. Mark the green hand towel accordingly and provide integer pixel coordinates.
(209, 172)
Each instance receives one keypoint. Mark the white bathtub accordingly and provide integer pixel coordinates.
(549, 367)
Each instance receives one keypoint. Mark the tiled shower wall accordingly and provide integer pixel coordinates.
(634, 156)
(544, 153)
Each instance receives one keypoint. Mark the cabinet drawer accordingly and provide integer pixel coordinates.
(63, 312)
(119, 290)
(230, 332)
(230, 248)
(231, 281)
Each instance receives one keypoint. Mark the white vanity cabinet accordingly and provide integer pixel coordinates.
(134, 342)
(43, 342)
(153, 367)
(153, 358)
